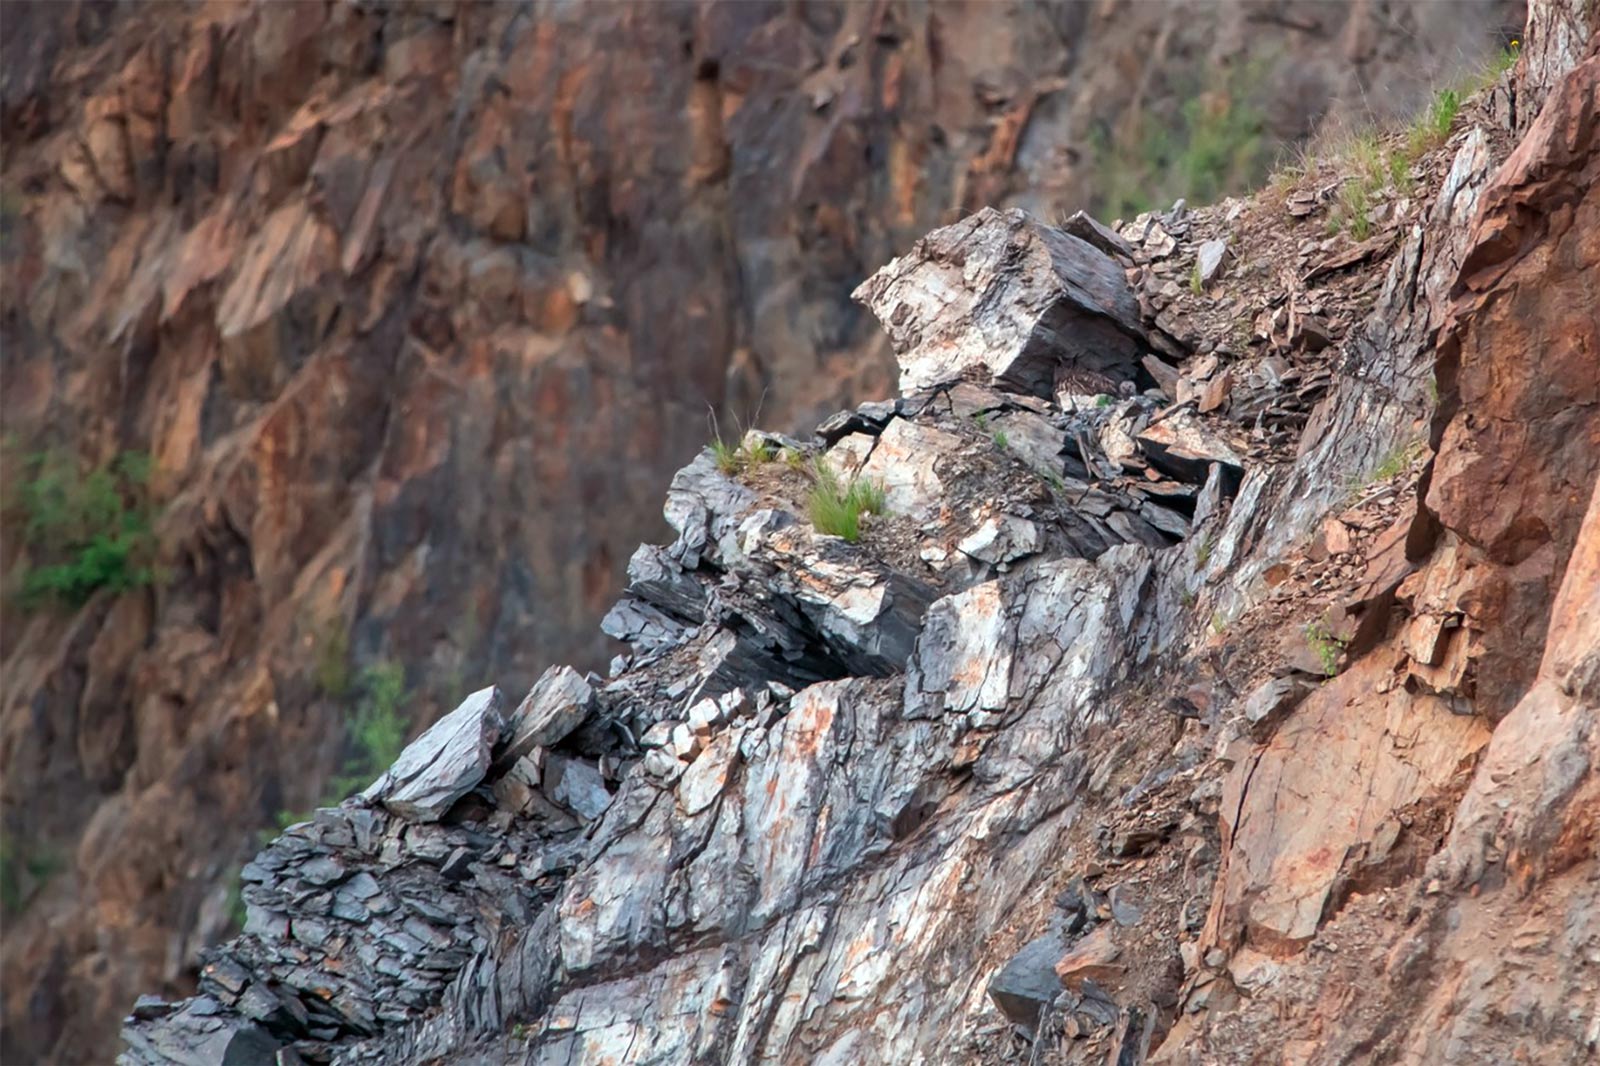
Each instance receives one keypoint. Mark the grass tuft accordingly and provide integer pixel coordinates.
(836, 509)
(733, 458)
(1432, 128)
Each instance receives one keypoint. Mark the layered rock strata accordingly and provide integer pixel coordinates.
(1127, 732)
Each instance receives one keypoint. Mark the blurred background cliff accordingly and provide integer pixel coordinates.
(348, 347)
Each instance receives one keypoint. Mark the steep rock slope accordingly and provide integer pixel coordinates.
(1242, 712)
(415, 307)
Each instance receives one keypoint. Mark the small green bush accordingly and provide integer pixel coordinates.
(23, 872)
(1216, 144)
(836, 510)
(87, 531)
(377, 734)
(732, 457)
(1001, 441)
(1326, 646)
(1432, 127)
(333, 660)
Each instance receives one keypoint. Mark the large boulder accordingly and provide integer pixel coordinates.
(1006, 296)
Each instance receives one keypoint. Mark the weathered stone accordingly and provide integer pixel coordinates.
(443, 764)
(1093, 958)
(1209, 259)
(579, 786)
(1179, 444)
(1008, 295)
(556, 705)
(1270, 703)
(1002, 539)
(1026, 988)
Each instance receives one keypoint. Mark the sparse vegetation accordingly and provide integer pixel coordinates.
(1366, 171)
(23, 872)
(87, 531)
(793, 458)
(377, 734)
(1202, 551)
(1432, 127)
(1216, 144)
(332, 671)
(1001, 441)
(1325, 646)
(837, 509)
(981, 420)
(1196, 284)
(1390, 465)
(1503, 61)
(374, 740)
(733, 458)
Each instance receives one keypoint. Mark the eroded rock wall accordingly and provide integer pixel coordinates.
(416, 306)
(1078, 753)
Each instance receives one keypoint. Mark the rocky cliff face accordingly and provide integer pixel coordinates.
(1216, 681)
(415, 308)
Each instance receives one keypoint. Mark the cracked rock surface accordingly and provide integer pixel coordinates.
(1123, 734)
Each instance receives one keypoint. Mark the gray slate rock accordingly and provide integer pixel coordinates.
(1005, 294)
(1210, 258)
(1026, 987)
(557, 704)
(443, 764)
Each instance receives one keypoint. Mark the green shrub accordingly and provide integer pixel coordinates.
(86, 531)
(1001, 441)
(1214, 146)
(23, 872)
(377, 733)
(1326, 646)
(732, 458)
(333, 660)
(836, 510)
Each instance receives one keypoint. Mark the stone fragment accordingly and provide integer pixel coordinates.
(1094, 958)
(443, 764)
(1085, 227)
(1002, 539)
(706, 777)
(1209, 259)
(1180, 445)
(1214, 395)
(556, 705)
(1164, 373)
(1270, 703)
(579, 787)
(1007, 295)
(661, 763)
(868, 419)
(1025, 989)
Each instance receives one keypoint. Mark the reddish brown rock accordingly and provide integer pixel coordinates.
(415, 309)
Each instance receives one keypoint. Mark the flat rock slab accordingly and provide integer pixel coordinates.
(1180, 445)
(443, 764)
(1005, 295)
(1027, 986)
(556, 705)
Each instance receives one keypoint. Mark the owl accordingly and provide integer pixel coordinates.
(1077, 381)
